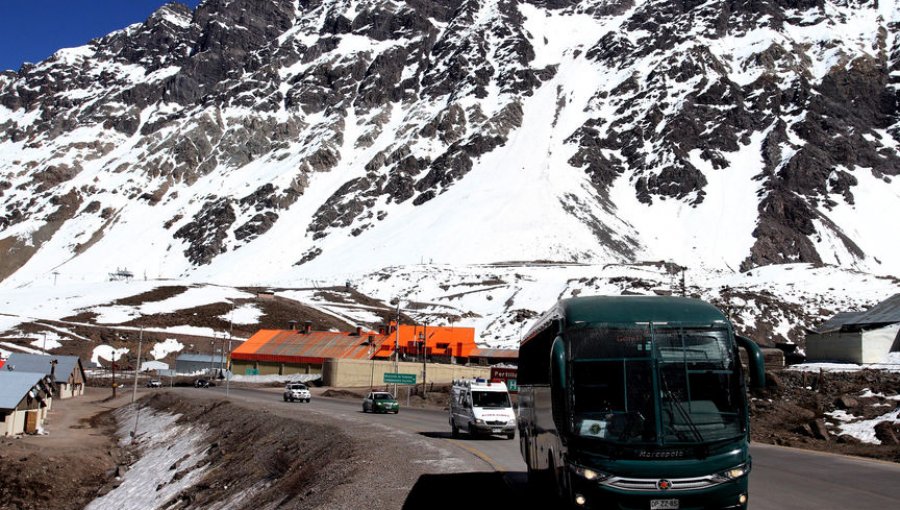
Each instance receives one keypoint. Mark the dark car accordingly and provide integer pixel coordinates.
(201, 383)
(380, 402)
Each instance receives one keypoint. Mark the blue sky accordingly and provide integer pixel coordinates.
(31, 31)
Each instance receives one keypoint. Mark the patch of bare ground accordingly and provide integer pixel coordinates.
(67, 468)
(157, 294)
(793, 411)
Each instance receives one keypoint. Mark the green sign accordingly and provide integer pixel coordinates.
(512, 385)
(251, 371)
(399, 378)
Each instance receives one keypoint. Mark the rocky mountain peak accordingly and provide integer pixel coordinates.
(315, 129)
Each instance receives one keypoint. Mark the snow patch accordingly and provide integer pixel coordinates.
(150, 482)
(244, 314)
(162, 349)
(107, 353)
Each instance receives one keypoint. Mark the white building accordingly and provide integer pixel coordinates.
(858, 337)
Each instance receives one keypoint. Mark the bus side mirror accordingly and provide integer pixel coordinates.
(558, 382)
(756, 361)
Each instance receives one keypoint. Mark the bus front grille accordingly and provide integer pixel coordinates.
(653, 484)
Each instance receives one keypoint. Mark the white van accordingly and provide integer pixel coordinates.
(481, 407)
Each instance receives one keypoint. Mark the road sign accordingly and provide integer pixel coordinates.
(394, 378)
(507, 375)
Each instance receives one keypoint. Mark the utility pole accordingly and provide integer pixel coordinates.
(397, 346)
(136, 368)
(372, 358)
(114, 372)
(212, 355)
(137, 411)
(425, 362)
(230, 368)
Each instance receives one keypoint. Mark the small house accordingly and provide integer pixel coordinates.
(858, 337)
(25, 399)
(66, 372)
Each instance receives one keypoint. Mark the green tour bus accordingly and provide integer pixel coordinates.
(637, 402)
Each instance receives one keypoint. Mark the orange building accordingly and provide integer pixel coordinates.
(439, 341)
(277, 351)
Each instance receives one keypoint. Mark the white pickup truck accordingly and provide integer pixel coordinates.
(481, 407)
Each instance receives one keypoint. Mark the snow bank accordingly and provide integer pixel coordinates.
(891, 363)
(864, 430)
(152, 481)
(262, 379)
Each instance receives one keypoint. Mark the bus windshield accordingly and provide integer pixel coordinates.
(661, 386)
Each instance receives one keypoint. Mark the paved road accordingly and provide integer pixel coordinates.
(782, 478)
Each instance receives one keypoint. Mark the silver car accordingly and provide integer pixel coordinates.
(296, 391)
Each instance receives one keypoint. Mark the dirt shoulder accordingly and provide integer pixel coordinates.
(67, 467)
(815, 411)
(264, 454)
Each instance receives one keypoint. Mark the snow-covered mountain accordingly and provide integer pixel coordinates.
(258, 142)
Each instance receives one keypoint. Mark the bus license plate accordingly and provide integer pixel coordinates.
(663, 504)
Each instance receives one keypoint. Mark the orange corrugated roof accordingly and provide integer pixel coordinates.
(254, 342)
(510, 354)
(290, 346)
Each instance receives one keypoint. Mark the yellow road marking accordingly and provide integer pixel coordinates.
(480, 454)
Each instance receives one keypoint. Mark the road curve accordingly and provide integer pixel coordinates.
(782, 478)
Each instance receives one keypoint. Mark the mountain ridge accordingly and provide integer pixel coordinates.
(316, 138)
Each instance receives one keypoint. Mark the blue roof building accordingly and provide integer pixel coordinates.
(67, 372)
(25, 399)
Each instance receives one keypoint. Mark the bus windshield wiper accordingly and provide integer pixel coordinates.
(685, 415)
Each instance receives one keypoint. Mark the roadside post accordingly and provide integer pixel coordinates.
(229, 366)
(137, 366)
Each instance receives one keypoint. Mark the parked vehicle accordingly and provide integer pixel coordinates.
(296, 391)
(201, 383)
(154, 383)
(638, 402)
(380, 402)
(481, 407)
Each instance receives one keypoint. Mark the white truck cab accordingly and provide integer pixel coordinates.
(478, 406)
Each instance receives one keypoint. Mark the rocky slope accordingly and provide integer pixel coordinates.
(263, 140)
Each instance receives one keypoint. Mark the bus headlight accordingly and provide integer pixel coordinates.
(589, 474)
(732, 474)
